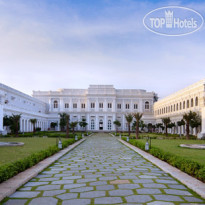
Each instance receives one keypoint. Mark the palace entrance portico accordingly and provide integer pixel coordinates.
(101, 125)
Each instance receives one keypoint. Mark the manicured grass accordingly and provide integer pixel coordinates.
(172, 146)
(31, 145)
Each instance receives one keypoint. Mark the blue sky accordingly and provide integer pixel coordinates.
(52, 44)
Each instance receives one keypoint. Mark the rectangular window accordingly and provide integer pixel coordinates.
(127, 106)
(83, 105)
(100, 105)
(135, 106)
(92, 105)
(75, 105)
(118, 106)
(109, 105)
(66, 105)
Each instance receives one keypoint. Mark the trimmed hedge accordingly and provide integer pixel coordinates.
(11, 169)
(190, 167)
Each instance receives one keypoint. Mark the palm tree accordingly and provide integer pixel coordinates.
(62, 121)
(129, 119)
(196, 122)
(180, 124)
(166, 121)
(73, 125)
(15, 119)
(67, 118)
(83, 123)
(117, 124)
(188, 117)
(137, 117)
(33, 122)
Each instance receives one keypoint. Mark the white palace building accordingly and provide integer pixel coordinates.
(100, 105)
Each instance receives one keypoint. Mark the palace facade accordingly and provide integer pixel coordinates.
(101, 105)
(191, 98)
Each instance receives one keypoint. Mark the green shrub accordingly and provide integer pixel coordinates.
(11, 169)
(190, 167)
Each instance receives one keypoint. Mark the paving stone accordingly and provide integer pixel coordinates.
(72, 177)
(43, 175)
(44, 201)
(67, 196)
(177, 192)
(24, 194)
(121, 181)
(167, 198)
(128, 186)
(25, 189)
(35, 183)
(177, 186)
(49, 179)
(107, 178)
(48, 187)
(81, 189)
(108, 200)
(148, 191)
(62, 182)
(192, 199)
(154, 185)
(147, 177)
(163, 181)
(160, 203)
(16, 202)
(71, 186)
(77, 202)
(119, 192)
(128, 177)
(143, 181)
(138, 198)
(85, 180)
(105, 187)
(53, 193)
(98, 183)
(92, 194)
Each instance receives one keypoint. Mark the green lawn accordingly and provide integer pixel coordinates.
(172, 146)
(32, 145)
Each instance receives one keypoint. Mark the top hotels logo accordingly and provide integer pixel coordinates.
(173, 21)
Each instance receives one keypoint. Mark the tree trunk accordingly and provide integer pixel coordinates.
(187, 130)
(129, 129)
(166, 130)
(137, 130)
(67, 129)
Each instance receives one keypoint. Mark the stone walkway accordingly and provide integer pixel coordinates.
(103, 171)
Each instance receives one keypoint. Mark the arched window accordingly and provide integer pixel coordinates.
(192, 102)
(177, 106)
(55, 104)
(174, 107)
(187, 104)
(196, 101)
(92, 125)
(147, 105)
(109, 125)
(184, 105)
(180, 106)
(166, 109)
(171, 108)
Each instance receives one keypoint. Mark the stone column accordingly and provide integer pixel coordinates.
(202, 134)
(96, 123)
(105, 125)
(1, 118)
